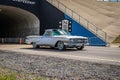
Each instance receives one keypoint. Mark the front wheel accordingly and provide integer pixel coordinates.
(35, 45)
(80, 47)
(60, 45)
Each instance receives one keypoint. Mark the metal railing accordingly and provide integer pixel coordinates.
(12, 40)
(88, 25)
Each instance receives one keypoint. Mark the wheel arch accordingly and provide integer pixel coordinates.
(57, 43)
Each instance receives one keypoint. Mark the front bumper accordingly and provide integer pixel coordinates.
(27, 42)
(71, 45)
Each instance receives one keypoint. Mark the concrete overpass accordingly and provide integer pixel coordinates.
(19, 18)
(16, 22)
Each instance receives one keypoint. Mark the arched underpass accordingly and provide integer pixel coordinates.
(16, 22)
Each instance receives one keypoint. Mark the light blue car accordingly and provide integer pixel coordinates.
(60, 39)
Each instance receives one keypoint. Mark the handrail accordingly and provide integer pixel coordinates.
(81, 20)
(111, 0)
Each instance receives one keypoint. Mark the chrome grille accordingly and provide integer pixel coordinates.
(78, 40)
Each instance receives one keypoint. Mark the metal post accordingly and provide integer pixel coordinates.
(72, 13)
(20, 40)
(58, 4)
(51, 1)
(79, 18)
(88, 24)
(96, 31)
(105, 37)
(65, 10)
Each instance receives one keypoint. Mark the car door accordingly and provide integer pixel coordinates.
(47, 39)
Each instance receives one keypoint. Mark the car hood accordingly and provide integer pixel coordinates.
(72, 37)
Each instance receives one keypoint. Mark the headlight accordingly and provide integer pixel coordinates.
(71, 40)
(65, 41)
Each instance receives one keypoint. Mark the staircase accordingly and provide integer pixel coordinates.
(81, 20)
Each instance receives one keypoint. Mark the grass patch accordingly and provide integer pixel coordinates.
(8, 77)
(6, 74)
(117, 40)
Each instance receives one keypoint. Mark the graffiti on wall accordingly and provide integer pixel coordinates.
(25, 1)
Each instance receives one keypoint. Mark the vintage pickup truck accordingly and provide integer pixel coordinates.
(60, 39)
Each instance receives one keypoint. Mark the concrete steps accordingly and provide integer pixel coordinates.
(103, 14)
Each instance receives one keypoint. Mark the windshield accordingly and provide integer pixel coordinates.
(60, 32)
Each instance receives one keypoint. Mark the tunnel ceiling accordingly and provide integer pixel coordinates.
(16, 22)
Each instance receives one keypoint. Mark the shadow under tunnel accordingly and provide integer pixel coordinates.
(16, 22)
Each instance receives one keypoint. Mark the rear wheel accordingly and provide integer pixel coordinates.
(60, 45)
(80, 47)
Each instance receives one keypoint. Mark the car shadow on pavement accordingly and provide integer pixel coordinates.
(53, 49)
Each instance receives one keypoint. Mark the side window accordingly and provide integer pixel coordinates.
(48, 33)
(55, 33)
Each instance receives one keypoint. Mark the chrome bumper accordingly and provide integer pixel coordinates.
(74, 44)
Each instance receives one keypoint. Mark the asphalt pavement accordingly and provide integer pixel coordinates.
(107, 55)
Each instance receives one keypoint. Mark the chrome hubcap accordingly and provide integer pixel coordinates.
(60, 45)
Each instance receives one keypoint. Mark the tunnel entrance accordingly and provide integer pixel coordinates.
(16, 22)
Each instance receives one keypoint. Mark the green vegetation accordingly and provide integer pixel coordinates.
(117, 40)
(6, 74)
(8, 77)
